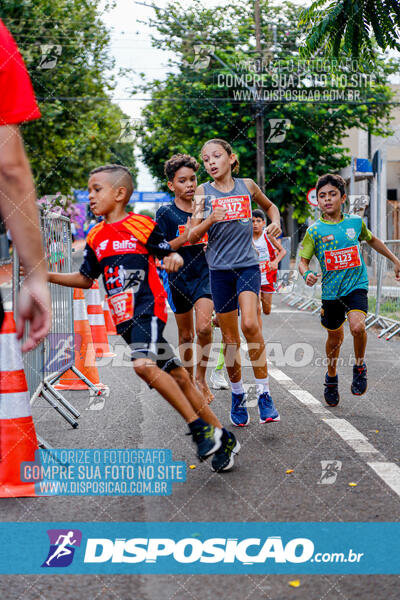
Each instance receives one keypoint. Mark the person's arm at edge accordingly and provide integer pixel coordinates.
(158, 246)
(178, 241)
(281, 250)
(272, 211)
(306, 254)
(20, 213)
(75, 279)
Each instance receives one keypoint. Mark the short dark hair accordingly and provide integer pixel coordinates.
(258, 214)
(176, 162)
(120, 175)
(228, 148)
(334, 180)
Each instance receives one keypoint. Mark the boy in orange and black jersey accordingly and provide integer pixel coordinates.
(122, 248)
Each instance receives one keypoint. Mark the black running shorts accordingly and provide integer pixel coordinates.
(145, 338)
(334, 312)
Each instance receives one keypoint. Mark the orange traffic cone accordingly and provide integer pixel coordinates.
(17, 432)
(96, 321)
(110, 327)
(84, 353)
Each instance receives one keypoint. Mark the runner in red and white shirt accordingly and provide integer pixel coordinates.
(270, 252)
(17, 191)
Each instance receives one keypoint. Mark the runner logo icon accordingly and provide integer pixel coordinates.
(62, 547)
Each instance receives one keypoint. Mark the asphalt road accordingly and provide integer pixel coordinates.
(258, 489)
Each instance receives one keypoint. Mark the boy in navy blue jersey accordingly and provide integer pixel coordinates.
(190, 286)
(122, 248)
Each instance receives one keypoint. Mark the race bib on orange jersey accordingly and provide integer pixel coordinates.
(121, 306)
(265, 268)
(203, 240)
(345, 258)
(238, 207)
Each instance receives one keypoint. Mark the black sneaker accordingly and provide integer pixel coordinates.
(331, 392)
(224, 458)
(360, 382)
(207, 439)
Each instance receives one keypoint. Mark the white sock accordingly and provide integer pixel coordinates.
(262, 385)
(237, 387)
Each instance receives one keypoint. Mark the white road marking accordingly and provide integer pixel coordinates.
(351, 435)
(388, 472)
(278, 374)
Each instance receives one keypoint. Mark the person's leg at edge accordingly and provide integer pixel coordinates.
(356, 320)
(165, 385)
(194, 396)
(221, 358)
(179, 391)
(203, 309)
(332, 347)
(185, 325)
(266, 301)
(229, 326)
(259, 317)
(249, 302)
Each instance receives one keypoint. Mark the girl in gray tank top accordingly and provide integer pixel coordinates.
(230, 243)
(223, 211)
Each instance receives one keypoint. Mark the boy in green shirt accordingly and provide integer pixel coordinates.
(335, 240)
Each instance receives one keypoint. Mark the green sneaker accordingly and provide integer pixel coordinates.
(207, 439)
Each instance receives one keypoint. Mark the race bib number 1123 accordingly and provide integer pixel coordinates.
(344, 258)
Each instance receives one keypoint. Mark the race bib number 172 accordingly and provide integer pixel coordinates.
(238, 207)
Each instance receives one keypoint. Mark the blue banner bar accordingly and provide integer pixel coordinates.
(200, 548)
(82, 196)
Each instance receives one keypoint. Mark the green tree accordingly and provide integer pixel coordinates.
(66, 49)
(198, 101)
(343, 26)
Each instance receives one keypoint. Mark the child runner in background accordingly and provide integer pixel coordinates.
(190, 286)
(335, 240)
(270, 253)
(122, 248)
(223, 209)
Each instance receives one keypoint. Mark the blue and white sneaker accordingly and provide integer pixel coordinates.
(266, 409)
(239, 416)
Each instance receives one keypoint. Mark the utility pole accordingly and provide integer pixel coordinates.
(259, 104)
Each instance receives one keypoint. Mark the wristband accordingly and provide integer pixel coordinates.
(306, 274)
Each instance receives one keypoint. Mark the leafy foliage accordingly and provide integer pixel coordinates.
(193, 104)
(80, 126)
(347, 26)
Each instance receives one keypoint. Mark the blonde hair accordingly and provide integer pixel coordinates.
(226, 146)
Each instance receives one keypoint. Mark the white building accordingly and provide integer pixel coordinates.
(384, 220)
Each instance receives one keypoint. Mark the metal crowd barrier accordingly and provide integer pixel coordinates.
(55, 354)
(385, 293)
(304, 297)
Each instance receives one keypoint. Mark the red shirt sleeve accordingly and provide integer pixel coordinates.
(17, 99)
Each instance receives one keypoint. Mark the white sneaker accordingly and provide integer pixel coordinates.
(218, 381)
